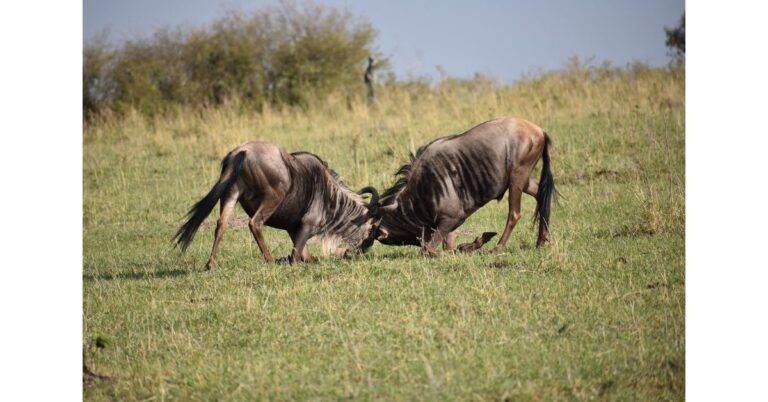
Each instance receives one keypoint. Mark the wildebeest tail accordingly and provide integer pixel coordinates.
(230, 169)
(546, 190)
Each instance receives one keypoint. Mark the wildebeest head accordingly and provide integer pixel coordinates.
(361, 228)
(394, 225)
(346, 220)
(371, 220)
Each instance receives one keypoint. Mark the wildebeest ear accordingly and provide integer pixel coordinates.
(383, 234)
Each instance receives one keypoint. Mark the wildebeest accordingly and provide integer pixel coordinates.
(295, 192)
(452, 177)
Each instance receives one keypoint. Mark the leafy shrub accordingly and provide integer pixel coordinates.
(676, 38)
(277, 55)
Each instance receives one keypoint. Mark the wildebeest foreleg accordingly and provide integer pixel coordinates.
(266, 207)
(300, 238)
(432, 238)
(304, 253)
(227, 203)
(449, 242)
(477, 243)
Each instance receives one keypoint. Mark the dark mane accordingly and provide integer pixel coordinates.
(402, 179)
(404, 173)
(344, 211)
(336, 177)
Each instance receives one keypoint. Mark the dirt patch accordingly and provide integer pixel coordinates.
(236, 222)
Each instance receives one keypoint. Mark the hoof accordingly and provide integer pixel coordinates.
(283, 261)
(431, 253)
(210, 266)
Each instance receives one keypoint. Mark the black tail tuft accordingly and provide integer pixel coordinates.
(203, 208)
(546, 192)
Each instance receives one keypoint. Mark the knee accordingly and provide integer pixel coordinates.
(516, 216)
(254, 224)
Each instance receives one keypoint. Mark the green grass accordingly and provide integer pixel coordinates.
(597, 314)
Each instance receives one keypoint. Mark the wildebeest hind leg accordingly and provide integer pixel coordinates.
(227, 203)
(532, 188)
(513, 216)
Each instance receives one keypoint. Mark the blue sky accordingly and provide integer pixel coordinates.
(503, 39)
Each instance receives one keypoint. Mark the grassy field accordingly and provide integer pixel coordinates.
(597, 314)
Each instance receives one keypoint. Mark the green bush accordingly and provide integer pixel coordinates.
(276, 55)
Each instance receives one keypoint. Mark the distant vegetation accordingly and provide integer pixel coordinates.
(676, 39)
(275, 55)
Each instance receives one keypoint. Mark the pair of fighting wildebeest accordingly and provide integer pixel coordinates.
(444, 183)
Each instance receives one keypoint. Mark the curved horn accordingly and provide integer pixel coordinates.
(374, 195)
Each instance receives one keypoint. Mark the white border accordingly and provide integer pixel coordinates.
(41, 165)
(726, 154)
